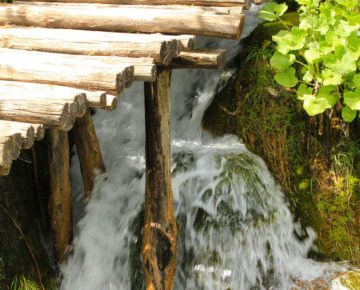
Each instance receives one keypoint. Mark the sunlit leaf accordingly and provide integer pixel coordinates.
(286, 77)
(271, 11)
(347, 114)
(281, 61)
(352, 99)
(330, 78)
(290, 40)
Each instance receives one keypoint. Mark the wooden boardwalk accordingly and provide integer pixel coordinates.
(58, 59)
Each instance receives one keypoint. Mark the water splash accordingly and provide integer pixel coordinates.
(235, 227)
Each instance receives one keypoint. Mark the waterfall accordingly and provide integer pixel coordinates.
(236, 231)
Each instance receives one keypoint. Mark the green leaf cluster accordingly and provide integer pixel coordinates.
(319, 57)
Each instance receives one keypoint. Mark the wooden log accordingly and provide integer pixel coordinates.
(5, 169)
(175, 19)
(80, 71)
(39, 131)
(161, 49)
(26, 131)
(160, 229)
(60, 199)
(217, 3)
(202, 59)
(47, 112)
(88, 151)
(10, 147)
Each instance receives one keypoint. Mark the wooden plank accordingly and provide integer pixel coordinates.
(176, 19)
(217, 3)
(79, 71)
(160, 229)
(161, 49)
(202, 59)
(88, 151)
(60, 198)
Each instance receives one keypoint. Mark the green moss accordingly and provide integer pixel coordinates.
(317, 166)
(351, 280)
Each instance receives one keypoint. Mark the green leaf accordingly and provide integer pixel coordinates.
(312, 55)
(324, 100)
(286, 78)
(343, 61)
(303, 92)
(271, 11)
(356, 80)
(308, 77)
(281, 61)
(290, 40)
(329, 77)
(352, 99)
(348, 3)
(347, 114)
(354, 43)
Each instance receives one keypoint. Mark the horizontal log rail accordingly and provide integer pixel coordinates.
(80, 71)
(217, 3)
(201, 59)
(208, 21)
(161, 48)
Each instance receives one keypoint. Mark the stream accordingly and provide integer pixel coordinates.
(236, 229)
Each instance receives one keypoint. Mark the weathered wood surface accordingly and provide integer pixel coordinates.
(88, 151)
(161, 48)
(202, 59)
(160, 229)
(10, 146)
(60, 198)
(50, 105)
(175, 19)
(80, 71)
(15, 136)
(218, 3)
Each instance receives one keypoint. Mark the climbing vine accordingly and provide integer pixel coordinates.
(319, 57)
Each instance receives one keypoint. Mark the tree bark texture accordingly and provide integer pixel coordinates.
(88, 150)
(160, 229)
(60, 199)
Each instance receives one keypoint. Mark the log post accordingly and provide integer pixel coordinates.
(160, 229)
(60, 199)
(88, 150)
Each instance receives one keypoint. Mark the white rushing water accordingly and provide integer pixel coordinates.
(236, 231)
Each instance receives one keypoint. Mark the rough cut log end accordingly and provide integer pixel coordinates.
(5, 169)
(129, 76)
(111, 102)
(67, 120)
(241, 26)
(28, 138)
(39, 131)
(169, 50)
(95, 99)
(78, 107)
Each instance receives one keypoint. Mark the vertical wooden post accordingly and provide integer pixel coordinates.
(160, 229)
(60, 199)
(88, 150)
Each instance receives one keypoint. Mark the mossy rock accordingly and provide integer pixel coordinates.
(316, 164)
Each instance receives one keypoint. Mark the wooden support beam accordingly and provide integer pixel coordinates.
(10, 146)
(202, 59)
(88, 151)
(160, 229)
(161, 48)
(208, 21)
(217, 3)
(60, 198)
(80, 71)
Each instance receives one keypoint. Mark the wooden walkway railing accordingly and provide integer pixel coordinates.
(60, 58)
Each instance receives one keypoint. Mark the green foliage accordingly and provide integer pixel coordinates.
(321, 55)
(22, 283)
